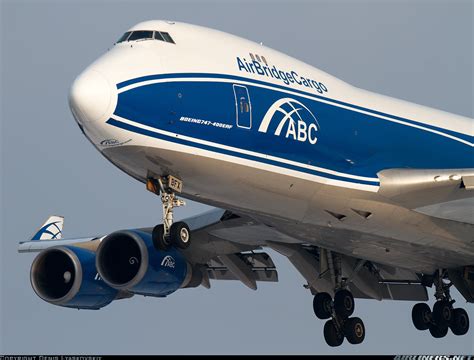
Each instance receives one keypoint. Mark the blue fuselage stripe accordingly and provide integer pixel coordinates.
(178, 140)
(123, 84)
(254, 121)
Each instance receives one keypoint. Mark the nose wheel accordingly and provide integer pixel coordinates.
(180, 234)
(169, 233)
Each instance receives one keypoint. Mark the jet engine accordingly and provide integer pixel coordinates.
(66, 276)
(128, 260)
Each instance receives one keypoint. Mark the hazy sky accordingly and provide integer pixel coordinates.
(420, 51)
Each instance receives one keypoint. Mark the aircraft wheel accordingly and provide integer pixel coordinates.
(322, 305)
(331, 335)
(438, 331)
(354, 330)
(460, 324)
(180, 234)
(344, 303)
(421, 316)
(442, 313)
(160, 242)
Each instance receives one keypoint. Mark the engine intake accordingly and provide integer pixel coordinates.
(120, 259)
(127, 260)
(66, 276)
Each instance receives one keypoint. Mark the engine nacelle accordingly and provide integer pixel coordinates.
(66, 276)
(127, 260)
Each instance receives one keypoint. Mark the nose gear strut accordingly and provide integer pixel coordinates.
(169, 233)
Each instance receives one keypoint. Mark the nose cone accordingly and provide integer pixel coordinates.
(90, 97)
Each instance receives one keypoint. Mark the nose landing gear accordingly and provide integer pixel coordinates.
(169, 233)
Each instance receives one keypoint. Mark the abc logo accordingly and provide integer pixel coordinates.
(296, 121)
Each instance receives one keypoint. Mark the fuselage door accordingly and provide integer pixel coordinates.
(243, 107)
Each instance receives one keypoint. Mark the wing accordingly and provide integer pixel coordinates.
(227, 246)
(37, 242)
(366, 279)
(216, 258)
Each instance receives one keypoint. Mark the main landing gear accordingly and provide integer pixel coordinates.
(338, 310)
(340, 324)
(169, 233)
(443, 316)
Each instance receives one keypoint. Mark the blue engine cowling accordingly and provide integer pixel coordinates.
(66, 276)
(127, 260)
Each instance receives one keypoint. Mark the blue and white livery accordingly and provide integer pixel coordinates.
(51, 229)
(329, 175)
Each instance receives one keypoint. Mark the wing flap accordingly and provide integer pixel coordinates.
(252, 267)
(410, 292)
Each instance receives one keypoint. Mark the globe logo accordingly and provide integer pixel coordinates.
(49, 231)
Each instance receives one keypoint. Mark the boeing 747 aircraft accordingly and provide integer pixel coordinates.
(329, 175)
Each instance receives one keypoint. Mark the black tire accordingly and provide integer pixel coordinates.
(421, 316)
(438, 331)
(354, 330)
(158, 238)
(460, 324)
(322, 304)
(331, 335)
(442, 313)
(180, 234)
(344, 303)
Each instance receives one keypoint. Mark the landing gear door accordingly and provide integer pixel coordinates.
(243, 107)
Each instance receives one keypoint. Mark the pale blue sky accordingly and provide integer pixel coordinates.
(421, 51)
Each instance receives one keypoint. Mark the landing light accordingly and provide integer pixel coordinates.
(153, 186)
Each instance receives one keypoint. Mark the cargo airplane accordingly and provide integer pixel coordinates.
(295, 160)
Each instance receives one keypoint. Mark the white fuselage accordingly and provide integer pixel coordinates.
(202, 109)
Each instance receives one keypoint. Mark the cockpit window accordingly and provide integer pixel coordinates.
(158, 36)
(146, 35)
(124, 37)
(167, 37)
(141, 35)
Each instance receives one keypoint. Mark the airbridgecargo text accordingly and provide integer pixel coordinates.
(287, 77)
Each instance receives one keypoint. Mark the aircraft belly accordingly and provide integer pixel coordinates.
(375, 247)
(334, 217)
